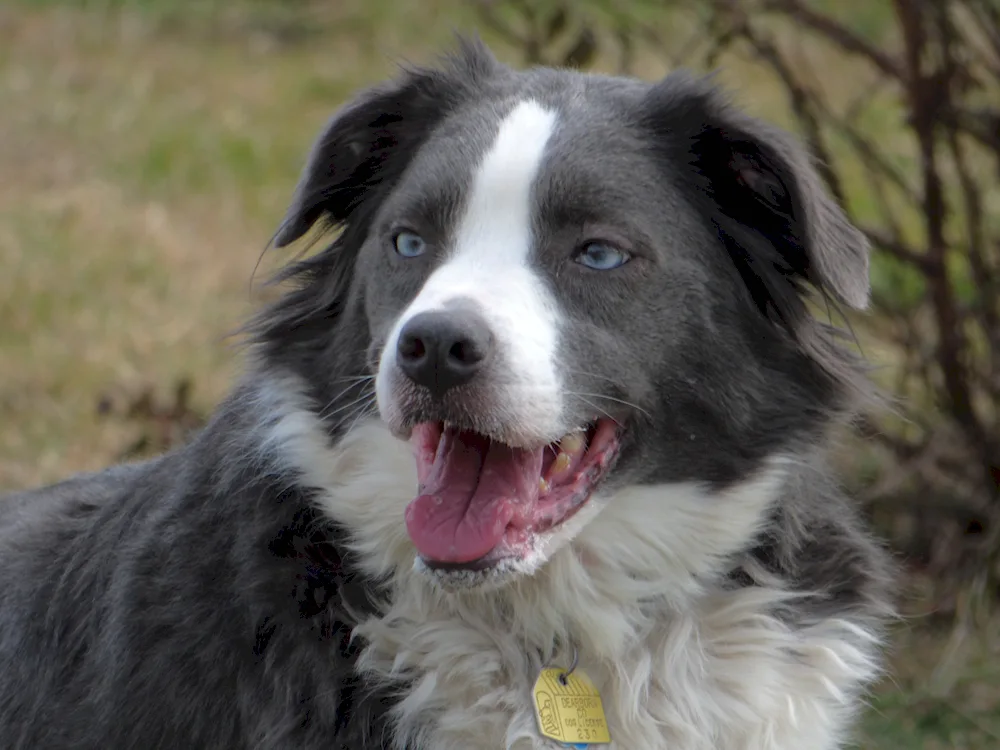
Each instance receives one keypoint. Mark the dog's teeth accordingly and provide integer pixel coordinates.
(561, 463)
(543, 486)
(572, 443)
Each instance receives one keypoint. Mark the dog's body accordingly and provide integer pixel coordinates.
(529, 261)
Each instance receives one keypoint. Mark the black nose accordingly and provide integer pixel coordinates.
(441, 350)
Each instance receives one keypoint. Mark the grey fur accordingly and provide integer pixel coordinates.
(199, 600)
(193, 601)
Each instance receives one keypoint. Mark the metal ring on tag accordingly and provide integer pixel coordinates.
(563, 676)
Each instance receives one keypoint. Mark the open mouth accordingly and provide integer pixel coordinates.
(482, 501)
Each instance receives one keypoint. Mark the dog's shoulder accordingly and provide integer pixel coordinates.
(86, 487)
(818, 544)
(195, 600)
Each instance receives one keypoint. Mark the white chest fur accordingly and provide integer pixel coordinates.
(722, 675)
(681, 663)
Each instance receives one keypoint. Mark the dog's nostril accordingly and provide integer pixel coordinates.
(465, 352)
(412, 347)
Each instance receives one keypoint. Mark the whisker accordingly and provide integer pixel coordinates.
(611, 398)
(336, 398)
(368, 409)
(355, 417)
(590, 374)
(364, 397)
(598, 408)
(355, 379)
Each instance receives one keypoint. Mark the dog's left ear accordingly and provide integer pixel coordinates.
(369, 142)
(765, 193)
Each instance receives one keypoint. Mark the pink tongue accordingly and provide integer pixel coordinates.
(471, 491)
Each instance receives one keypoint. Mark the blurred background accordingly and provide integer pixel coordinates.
(148, 149)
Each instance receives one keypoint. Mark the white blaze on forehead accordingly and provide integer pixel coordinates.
(497, 220)
(489, 263)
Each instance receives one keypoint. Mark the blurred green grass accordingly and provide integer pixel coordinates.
(906, 712)
(147, 151)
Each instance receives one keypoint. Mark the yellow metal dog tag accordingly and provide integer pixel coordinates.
(569, 709)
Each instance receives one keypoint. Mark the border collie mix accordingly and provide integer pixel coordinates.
(552, 398)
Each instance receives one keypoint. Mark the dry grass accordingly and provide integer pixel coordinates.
(145, 157)
(908, 713)
(147, 150)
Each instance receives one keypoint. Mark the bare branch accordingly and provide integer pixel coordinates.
(835, 32)
(984, 276)
(924, 91)
(802, 102)
(897, 249)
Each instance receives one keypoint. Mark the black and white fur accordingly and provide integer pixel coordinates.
(257, 588)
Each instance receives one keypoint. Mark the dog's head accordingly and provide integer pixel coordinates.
(560, 283)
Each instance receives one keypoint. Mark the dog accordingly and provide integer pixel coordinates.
(554, 395)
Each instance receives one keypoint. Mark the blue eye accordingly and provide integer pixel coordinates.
(410, 245)
(601, 257)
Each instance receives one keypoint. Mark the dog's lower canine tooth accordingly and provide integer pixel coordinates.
(543, 486)
(561, 463)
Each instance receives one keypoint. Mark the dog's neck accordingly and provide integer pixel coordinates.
(639, 558)
(645, 594)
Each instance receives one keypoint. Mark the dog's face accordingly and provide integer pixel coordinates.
(562, 285)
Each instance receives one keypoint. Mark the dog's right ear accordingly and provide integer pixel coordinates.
(765, 198)
(365, 146)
